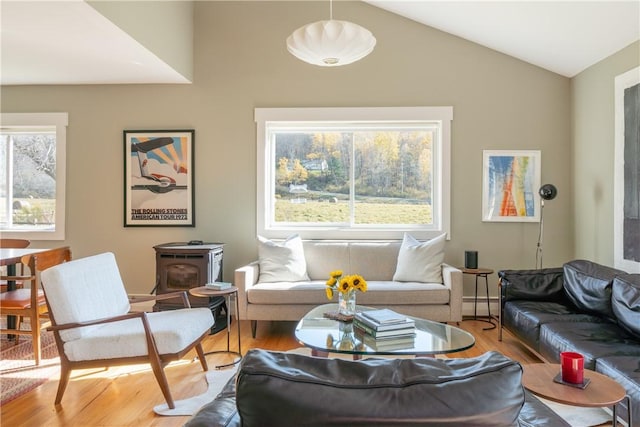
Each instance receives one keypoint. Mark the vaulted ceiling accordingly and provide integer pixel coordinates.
(564, 37)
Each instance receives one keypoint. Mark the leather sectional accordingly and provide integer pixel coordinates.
(584, 307)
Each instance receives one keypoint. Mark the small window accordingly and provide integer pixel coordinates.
(368, 173)
(32, 185)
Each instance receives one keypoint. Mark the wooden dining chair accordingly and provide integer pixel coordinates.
(12, 244)
(29, 302)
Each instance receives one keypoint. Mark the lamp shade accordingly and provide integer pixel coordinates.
(548, 192)
(331, 43)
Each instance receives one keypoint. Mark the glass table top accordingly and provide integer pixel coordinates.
(327, 335)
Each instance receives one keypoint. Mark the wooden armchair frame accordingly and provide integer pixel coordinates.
(158, 361)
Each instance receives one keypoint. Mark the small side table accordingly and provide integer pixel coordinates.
(481, 272)
(203, 291)
(601, 392)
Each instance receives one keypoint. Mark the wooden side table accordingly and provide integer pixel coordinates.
(203, 291)
(601, 392)
(481, 272)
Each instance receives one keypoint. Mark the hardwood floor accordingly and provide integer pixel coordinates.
(126, 396)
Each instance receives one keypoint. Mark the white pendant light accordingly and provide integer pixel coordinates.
(331, 43)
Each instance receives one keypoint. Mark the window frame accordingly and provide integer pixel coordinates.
(60, 121)
(441, 213)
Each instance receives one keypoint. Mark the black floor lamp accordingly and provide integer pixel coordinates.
(547, 192)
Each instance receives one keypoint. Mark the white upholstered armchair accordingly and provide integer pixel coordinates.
(93, 325)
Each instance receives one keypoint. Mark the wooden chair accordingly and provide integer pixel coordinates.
(94, 327)
(13, 244)
(30, 302)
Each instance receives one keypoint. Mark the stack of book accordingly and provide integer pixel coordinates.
(385, 329)
(218, 286)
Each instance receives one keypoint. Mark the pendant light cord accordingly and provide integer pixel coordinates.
(330, 10)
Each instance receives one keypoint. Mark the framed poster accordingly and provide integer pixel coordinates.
(510, 183)
(626, 200)
(158, 178)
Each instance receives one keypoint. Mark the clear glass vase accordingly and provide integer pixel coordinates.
(347, 303)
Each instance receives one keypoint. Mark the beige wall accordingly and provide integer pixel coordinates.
(594, 132)
(241, 62)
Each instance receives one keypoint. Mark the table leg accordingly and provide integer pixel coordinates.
(486, 286)
(475, 301)
(11, 286)
(228, 350)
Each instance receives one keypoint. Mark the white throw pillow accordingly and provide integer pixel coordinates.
(282, 262)
(420, 261)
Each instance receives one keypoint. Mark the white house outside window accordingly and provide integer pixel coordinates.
(32, 181)
(353, 173)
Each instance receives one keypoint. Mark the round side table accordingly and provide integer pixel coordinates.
(203, 291)
(601, 391)
(484, 273)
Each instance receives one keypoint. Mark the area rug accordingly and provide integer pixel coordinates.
(215, 379)
(18, 371)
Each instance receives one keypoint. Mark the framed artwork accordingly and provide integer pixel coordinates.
(510, 183)
(626, 202)
(158, 178)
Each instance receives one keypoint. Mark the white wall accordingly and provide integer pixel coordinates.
(241, 62)
(593, 154)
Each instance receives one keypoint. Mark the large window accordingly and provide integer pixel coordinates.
(32, 182)
(353, 173)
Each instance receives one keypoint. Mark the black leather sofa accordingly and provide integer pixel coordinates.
(583, 307)
(285, 389)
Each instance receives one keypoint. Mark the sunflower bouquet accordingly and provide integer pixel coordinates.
(346, 285)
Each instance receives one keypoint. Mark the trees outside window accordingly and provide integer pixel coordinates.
(32, 150)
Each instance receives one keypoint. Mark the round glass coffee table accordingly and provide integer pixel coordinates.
(324, 335)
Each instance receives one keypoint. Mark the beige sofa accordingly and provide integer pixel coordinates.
(375, 261)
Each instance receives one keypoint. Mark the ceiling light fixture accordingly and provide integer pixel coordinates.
(331, 43)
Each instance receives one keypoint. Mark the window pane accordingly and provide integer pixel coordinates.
(5, 206)
(393, 177)
(392, 180)
(32, 189)
(311, 179)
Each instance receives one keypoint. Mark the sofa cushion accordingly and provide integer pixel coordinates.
(588, 286)
(313, 391)
(524, 318)
(324, 257)
(127, 338)
(378, 293)
(281, 262)
(625, 302)
(533, 285)
(592, 340)
(420, 261)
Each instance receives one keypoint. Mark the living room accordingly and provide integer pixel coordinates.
(238, 61)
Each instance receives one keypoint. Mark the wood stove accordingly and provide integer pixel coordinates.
(181, 266)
